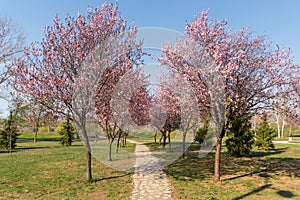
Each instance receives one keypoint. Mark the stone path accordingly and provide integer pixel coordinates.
(150, 182)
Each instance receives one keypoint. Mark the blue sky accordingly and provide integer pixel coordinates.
(277, 19)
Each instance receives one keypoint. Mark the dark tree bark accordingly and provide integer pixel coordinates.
(88, 165)
(217, 173)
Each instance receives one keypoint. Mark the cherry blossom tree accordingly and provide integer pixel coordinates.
(35, 115)
(293, 99)
(176, 97)
(139, 105)
(120, 102)
(252, 70)
(169, 102)
(104, 112)
(53, 72)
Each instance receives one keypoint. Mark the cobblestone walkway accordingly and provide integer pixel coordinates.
(150, 182)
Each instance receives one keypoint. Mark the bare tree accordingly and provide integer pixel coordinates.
(12, 41)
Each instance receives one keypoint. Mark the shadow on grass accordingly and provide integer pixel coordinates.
(285, 194)
(268, 153)
(192, 167)
(281, 193)
(253, 191)
(110, 177)
(32, 148)
(259, 172)
(17, 149)
(5, 151)
(24, 140)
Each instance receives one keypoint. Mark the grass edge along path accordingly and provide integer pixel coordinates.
(47, 170)
(264, 175)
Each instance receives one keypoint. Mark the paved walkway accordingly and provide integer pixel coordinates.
(150, 182)
(284, 142)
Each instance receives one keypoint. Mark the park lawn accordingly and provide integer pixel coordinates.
(47, 170)
(43, 136)
(264, 175)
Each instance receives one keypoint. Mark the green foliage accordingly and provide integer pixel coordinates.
(264, 135)
(9, 133)
(67, 131)
(201, 133)
(241, 138)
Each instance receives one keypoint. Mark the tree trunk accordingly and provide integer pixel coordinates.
(169, 140)
(88, 156)
(125, 139)
(109, 150)
(165, 139)
(36, 133)
(282, 127)
(217, 174)
(278, 125)
(118, 143)
(88, 165)
(160, 139)
(155, 138)
(183, 144)
(35, 136)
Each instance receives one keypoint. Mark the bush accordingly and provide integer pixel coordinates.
(66, 129)
(201, 133)
(264, 135)
(9, 134)
(241, 138)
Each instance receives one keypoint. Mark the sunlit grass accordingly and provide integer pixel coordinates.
(264, 175)
(47, 170)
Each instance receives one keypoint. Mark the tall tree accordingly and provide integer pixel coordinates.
(169, 102)
(114, 102)
(176, 96)
(11, 44)
(252, 70)
(59, 71)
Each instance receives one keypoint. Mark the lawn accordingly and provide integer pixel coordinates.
(47, 170)
(264, 175)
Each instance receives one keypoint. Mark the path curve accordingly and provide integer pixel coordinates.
(149, 180)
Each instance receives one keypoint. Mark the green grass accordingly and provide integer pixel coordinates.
(47, 170)
(44, 136)
(264, 175)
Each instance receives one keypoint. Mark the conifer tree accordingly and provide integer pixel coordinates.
(201, 132)
(241, 138)
(264, 135)
(67, 131)
(9, 133)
